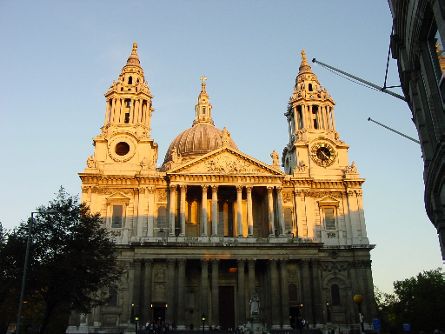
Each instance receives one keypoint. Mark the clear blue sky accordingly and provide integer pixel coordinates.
(59, 57)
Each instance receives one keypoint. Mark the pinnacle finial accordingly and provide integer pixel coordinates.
(303, 57)
(203, 79)
(304, 66)
(134, 58)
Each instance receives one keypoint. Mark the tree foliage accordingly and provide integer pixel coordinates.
(72, 259)
(418, 300)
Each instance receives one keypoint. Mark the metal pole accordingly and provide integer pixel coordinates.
(395, 131)
(25, 269)
(382, 89)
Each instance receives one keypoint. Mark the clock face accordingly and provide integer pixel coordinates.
(323, 154)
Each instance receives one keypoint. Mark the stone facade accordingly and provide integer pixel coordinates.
(417, 42)
(213, 228)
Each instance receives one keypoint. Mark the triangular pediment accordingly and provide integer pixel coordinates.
(328, 201)
(226, 161)
(118, 197)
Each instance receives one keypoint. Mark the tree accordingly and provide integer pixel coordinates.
(417, 300)
(72, 260)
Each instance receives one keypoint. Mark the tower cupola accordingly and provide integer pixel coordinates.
(203, 109)
(129, 100)
(311, 108)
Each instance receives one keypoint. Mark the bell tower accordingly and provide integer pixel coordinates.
(125, 146)
(313, 139)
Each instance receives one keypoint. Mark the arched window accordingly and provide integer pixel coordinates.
(315, 116)
(310, 87)
(299, 117)
(335, 294)
(130, 80)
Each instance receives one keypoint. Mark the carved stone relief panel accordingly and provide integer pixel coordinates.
(159, 294)
(159, 272)
(228, 164)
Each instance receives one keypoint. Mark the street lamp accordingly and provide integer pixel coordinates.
(358, 299)
(328, 311)
(136, 324)
(203, 320)
(25, 268)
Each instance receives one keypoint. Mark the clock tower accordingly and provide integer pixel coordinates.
(329, 195)
(313, 140)
(124, 145)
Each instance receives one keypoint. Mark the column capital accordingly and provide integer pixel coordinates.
(269, 188)
(214, 188)
(204, 186)
(249, 189)
(183, 186)
(173, 187)
(239, 188)
(279, 188)
(148, 261)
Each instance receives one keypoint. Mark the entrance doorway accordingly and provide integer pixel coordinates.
(295, 317)
(158, 315)
(227, 307)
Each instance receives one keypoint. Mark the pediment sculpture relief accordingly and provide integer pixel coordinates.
(226, 164)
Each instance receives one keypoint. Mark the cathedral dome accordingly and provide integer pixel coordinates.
(203, 137)
(200, 139)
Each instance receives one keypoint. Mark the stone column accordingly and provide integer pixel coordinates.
(280, 210)
(183, 189)
(113, 110)
(131, 111)
(251, 273)
(274, 295)
(181, 283)
(204, 211)
(249, 211)
(151, 211)
(136, 300)
(170, 312)
(284, 295)
(215, 292)
(214, 211)
(239, 209)
(204, 287)
(139, 212)
(147, 289)
(316, 284)
(270, 214)
(128, 295)
(172, 209)
(241, 293)
(307, 291)
(333, 117)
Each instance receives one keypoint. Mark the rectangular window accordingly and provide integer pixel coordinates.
(329, 218)
(118, 216)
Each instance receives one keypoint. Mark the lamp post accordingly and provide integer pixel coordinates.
(25, 269)
(203, 320)
(358, 299)
(136, 324)
(328, 312)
